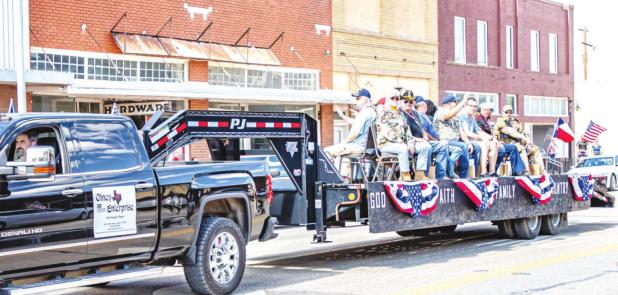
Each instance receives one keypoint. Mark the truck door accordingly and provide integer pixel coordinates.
(120, 188)
(42, 221)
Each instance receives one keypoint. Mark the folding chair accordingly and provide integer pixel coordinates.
(386, 164)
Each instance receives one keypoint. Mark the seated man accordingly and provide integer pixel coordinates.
(394, 137)
(23, 142)
(453, 152)
(510, 150)
(356, 141)
(448, 128)
(510, 131)
(422, 138)
(480, 140)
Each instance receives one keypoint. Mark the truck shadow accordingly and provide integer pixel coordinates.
(401, 253)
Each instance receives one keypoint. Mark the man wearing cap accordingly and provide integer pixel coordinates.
(422, 139)
(517, 164)
(484, 147)
(394, 137)
(356, 141)
(509, 130)
(448, 128)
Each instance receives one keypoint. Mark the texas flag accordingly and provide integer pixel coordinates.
(563, 131)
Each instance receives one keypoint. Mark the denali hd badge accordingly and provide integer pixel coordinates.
(21, 232)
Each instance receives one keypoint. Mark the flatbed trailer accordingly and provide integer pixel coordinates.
(331, 202)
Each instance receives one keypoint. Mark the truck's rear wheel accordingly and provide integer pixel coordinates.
(506, 228)
(552, 224)
(527, 228)
(220, 261)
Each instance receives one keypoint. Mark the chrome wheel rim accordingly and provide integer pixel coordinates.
(223, 257)
(554, 219)
(533, 222)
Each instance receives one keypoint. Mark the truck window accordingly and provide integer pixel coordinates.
(40, 136)
(105, 146)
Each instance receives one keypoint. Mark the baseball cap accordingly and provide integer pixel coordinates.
(408, 95)
(362, 92)
(487, 106)
(419, 99)
(507, 107)
(449, 98)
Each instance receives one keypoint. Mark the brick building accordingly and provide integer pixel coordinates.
(517, 52)
(178, 54)
(383, 44)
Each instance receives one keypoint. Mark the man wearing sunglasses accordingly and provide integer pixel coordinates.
(484, 147)
(422, 140)
(394, 137)
(510, 131)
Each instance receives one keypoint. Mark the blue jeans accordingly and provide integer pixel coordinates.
(441, 152)
(458, 151)
(402, 152)
(517, 163)
(476, 155)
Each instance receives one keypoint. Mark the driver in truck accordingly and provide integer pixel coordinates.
(23, 142)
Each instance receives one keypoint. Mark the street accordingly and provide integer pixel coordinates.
(474, 259)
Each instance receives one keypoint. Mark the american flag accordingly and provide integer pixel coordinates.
(417, 198)
(482, 192)
(539, 186)
(11, 107)
(583, 187)
(592, 132)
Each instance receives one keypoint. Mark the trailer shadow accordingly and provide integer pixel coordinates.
(401, 253)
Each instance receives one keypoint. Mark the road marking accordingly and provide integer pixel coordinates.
(474, 278)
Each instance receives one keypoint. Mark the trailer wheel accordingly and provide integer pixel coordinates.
(221, 255)
(527, 228)
(551, 224)
(506, 228)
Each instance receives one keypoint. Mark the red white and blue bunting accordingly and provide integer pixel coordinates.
(539, 186)
(482, 192)
(583, 187)
(417, 198)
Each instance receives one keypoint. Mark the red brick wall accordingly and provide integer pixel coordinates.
(57, 24)
(524, 16)
(6, 93)
(198, 70)
(199, 150)
(327, 132)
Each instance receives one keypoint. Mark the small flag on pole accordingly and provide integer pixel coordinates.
(115, 110)
(592, 132)
(563, 132)
(11, 107)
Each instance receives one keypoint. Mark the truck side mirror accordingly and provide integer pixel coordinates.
(274, 172)
(40, 164)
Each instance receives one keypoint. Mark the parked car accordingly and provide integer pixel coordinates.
(603, 168)
(287, 205)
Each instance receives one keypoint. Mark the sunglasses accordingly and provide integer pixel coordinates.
(509, 112)
(395, 98)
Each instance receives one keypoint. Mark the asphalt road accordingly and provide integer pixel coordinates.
(583, 259)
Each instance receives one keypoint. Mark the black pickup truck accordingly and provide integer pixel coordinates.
(81, 193)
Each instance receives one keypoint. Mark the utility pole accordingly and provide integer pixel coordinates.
(586, 45)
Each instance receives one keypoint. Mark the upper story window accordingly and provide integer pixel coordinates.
(553, 53)
(98, 67)
(481, 97)
(263, 77)
(511, 99)
(534, 51)
(545, 106)
(481, 42)
(460, 40)
(509, 47)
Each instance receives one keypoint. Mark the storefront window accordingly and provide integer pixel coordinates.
(43, 103)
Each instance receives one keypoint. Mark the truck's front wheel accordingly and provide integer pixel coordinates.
(220, 261)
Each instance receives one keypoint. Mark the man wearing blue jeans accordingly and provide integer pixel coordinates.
(414, 123)
(453, 150)
(448, 127)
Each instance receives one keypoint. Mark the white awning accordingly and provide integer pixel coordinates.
(196, 90)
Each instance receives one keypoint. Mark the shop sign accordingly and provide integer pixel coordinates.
(138, 108)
